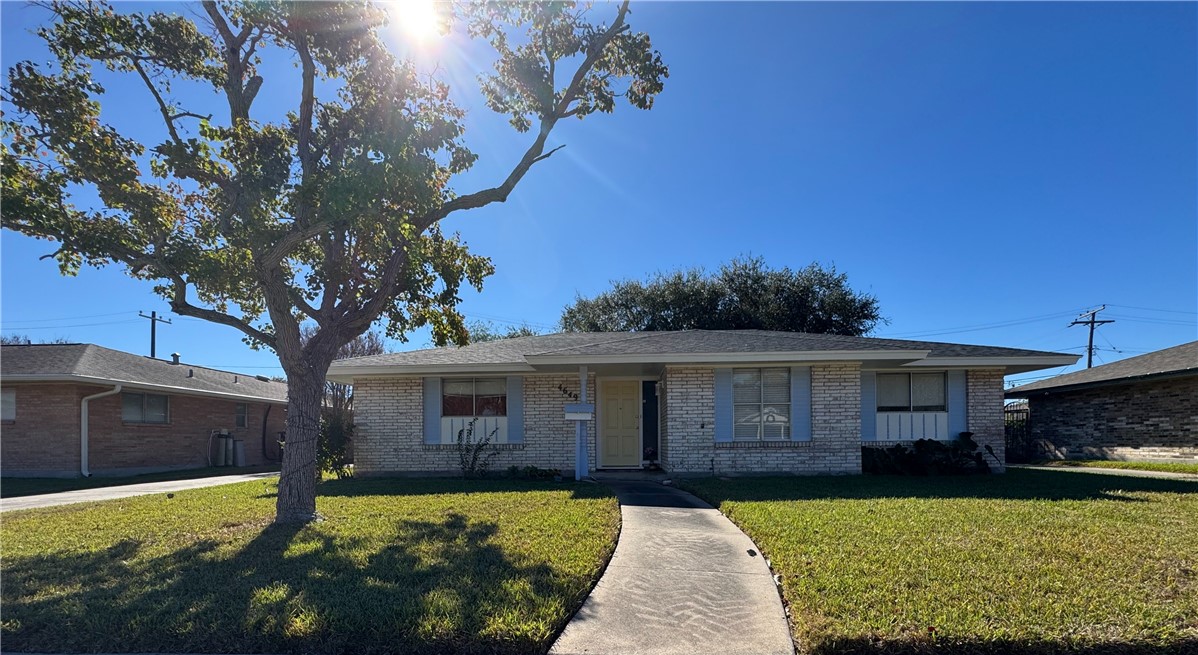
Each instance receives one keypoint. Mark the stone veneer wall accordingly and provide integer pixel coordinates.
(984, 406)
(389, 438)
(1149, 420)
(835, 446)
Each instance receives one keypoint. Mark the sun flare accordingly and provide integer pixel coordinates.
(420, 20)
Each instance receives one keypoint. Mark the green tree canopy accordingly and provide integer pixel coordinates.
(480, 331)
(328, 215)
(742, 295)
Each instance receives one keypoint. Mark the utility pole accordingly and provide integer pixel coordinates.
(154, 321)
(1093, 322)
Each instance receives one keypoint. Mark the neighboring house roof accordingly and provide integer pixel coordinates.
(557, 351)
(1171, 362)
(90, 364)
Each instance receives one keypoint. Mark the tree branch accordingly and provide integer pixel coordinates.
(181, 306)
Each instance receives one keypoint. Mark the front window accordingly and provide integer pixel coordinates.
(761, 403)
(911, 392)
(474, 397)
(144, 408)
(9, 405)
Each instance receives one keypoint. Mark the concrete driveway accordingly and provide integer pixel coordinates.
(111, 493)
(683, 580)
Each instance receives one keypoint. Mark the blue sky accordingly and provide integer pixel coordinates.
(988, 171)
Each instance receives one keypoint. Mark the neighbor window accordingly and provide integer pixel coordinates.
(143, 408)
(9, 405)
(761, 403)
(911, 392)
(240, 419)
(474, 397)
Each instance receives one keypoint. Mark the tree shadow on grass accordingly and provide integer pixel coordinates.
(1016, 484)
(431, 587)
(871, 646)
(413, 486)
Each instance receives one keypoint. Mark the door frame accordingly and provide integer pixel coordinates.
(640, 425)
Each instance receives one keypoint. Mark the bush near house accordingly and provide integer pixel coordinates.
(395, 566)
(1026, 562)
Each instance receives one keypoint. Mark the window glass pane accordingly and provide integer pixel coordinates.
(927, 392)
(8, 405)
(155, 408)
(894, 392)
(775, 422)
(457, 398)
(131, 407)
(746, 421)
(490, 397)
(240, 416)
(746, 385)
(775, 385)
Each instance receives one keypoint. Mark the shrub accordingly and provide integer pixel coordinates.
(473, 455)
(926, 457)
(332, 451)
(532, 473)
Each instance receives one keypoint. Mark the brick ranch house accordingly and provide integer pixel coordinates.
(1139, 408)
(142, 414)
(699, 402)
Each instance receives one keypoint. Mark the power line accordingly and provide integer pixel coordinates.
(65, 318)
(63, 327)
(980, 326)
(1153, 309)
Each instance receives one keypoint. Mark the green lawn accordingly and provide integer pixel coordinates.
(1030, 561)
(1167, 467)
(396, 566)
(15, 487)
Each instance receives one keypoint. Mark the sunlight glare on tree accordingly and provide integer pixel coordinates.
(419, 20)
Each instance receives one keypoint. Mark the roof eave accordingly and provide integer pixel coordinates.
(1023, 392)
(346, 374)
(129, 384)
(1011, 364)
(733, 358)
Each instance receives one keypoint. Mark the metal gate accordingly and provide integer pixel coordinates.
(1018, 429)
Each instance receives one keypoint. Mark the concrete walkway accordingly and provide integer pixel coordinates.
(1128, 473)
(683, 580)
(112, 493)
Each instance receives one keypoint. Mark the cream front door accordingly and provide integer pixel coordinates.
(621, 410)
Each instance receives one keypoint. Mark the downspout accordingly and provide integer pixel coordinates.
(83, 427)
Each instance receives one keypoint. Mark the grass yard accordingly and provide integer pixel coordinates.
(1166, 467)
(16, 487)
(397, 566)
(1027, 562)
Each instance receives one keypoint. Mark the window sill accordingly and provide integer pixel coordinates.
(139, 424)
(454, 446)
(762, 444)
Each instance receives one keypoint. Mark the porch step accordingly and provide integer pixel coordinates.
(627, 474)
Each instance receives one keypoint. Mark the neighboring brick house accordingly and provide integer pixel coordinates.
(1140, 408)
(143, 414)
(699, 402)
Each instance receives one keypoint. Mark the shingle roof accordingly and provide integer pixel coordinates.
(1177, 360)
(583, 344)
(82, 360)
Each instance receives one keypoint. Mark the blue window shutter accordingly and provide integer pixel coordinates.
(800, 403)
(515, 409)
(869, 406)
(958, 419)
(723, 404)
(432, 410)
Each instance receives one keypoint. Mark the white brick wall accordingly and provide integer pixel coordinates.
(835, 445)
(390, 436)
(390, 432)
(984, 403)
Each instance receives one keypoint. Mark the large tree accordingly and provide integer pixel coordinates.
(328, 214)
(743, 294)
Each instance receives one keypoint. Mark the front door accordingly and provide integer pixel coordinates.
(621, 410)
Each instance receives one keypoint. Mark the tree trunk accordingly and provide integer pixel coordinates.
(297, 479)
